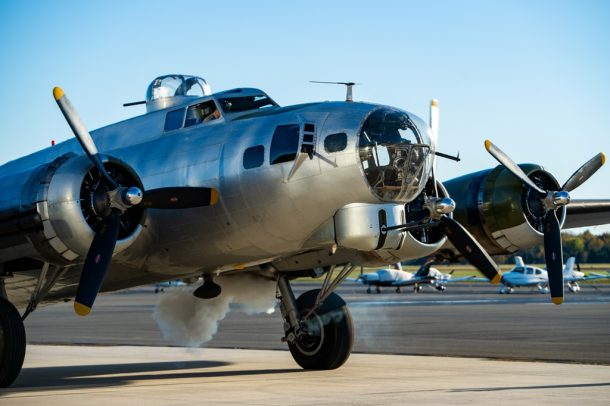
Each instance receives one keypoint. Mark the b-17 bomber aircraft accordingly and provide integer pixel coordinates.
(231, 183)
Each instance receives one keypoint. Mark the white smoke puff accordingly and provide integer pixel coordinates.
(189, 321)
(253, 294)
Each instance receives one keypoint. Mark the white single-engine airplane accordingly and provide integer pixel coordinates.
(222, 183)
(530, 276)
(397, 278)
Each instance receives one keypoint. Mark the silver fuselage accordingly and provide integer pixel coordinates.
(263, 216)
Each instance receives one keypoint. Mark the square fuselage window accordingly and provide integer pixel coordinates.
(284, 144)
(335, 142)
(254, 157)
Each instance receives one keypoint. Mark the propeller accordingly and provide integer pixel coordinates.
(551, 201)
(465, 243)
(118, 199)
(439, 209)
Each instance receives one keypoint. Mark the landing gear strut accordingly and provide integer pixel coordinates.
(12, 343)
(318, 325)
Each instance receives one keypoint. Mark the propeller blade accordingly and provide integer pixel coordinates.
(179, 197)
(465, 243)
(553, 254)
(511, 166)
(434, 136)
(584, 172)
(434, 125)
(97, 263)
(81, 133)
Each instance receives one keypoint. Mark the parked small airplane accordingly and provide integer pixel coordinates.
(207, 183)
(396, 277)
(523, 275)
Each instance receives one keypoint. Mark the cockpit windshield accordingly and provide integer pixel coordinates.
(395, 155)
(245, 103)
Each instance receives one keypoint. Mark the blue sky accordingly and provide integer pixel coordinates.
(533, 76)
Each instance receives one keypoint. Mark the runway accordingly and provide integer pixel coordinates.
(117, 375)
(466, 320)
(408, 349)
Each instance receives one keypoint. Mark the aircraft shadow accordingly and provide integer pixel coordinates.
(89, 376)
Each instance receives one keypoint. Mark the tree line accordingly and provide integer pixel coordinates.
(588, 248)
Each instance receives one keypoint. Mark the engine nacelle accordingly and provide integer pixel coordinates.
(63, 197)
(502, 214)
(361, 227)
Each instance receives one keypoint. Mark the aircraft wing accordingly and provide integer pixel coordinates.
(410, 282)
(475, 279)
(590, 277)
(464, 278)
(587, 212)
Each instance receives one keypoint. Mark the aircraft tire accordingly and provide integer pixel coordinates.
(12, 343)
(331, 337)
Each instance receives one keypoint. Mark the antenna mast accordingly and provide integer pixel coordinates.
(349, 85)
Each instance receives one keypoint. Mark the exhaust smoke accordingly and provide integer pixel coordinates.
(189, 321)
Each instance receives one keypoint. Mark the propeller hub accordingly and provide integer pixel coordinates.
(132, 196)
(440, 206)
(555, 200)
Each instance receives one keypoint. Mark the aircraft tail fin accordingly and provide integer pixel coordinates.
(519, 261)
(569, 265)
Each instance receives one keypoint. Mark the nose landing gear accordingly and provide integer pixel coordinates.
(318, 325)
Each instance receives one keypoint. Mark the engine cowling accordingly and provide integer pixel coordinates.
(64, 195)
(502, 214)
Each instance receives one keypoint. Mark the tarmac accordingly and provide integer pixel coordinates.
(430, 347)
(127, 375)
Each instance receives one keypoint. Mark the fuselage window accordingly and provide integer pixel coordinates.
(201, 113)
(284, 144)
(335, 142)
(174, 120)
(254, 157)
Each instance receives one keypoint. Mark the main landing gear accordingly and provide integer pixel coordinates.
(12, 343)
(318, 325)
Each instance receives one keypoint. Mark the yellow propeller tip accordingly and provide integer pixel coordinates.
(58, 92)
(487, 145)
(557, 300)
(434, 103)
(214, 197)
(81, 309)
(603, 158)
(497, 278)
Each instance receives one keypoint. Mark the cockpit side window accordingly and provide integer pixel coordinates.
(284, 144)
(174, 120)
(201, 113)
